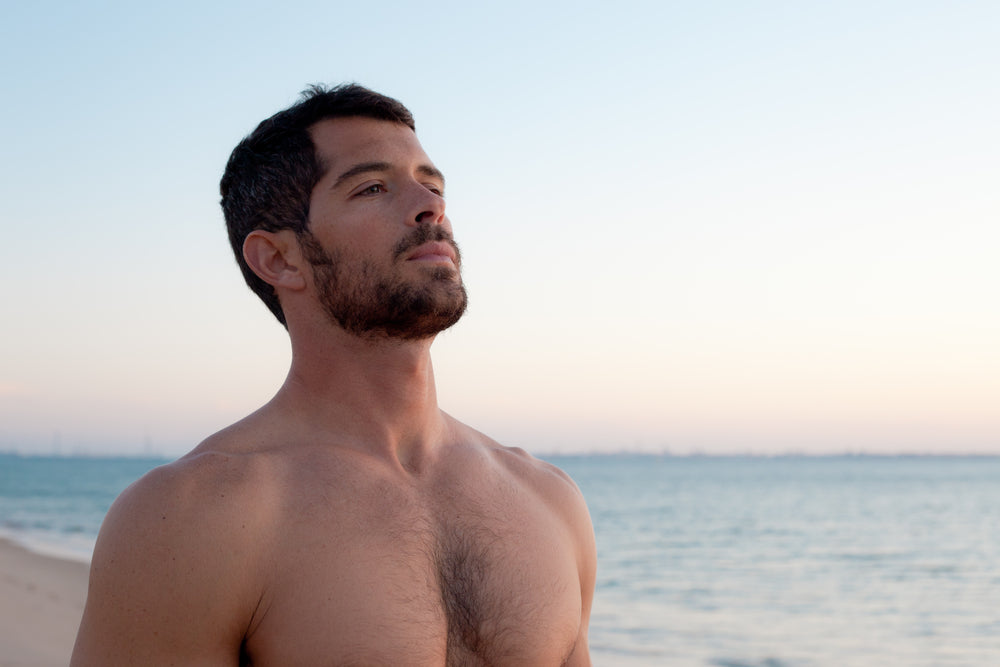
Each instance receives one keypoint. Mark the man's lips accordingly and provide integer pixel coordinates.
(435, 251)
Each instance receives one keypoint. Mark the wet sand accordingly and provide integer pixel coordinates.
(41, 602)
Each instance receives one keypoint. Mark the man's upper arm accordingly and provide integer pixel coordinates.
(168, 580)
(583, 529)
(563, 496)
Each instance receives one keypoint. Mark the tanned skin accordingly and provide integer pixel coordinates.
(349, 521)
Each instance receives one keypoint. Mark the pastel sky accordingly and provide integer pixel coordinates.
(742, 227)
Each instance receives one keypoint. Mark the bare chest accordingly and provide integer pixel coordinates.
(457, 581)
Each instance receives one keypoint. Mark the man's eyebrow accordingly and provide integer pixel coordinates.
(363, 168)
(369, 167)
(433, 172)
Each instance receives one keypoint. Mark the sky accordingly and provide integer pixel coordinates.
(749, 227)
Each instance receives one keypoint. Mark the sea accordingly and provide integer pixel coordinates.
(788, 561)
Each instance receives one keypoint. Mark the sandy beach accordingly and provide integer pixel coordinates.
(41, 602)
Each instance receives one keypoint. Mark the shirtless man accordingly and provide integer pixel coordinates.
(349, 521)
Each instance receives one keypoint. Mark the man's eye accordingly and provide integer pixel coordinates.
(373, 189)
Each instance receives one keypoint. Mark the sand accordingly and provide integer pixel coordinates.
(41, 602)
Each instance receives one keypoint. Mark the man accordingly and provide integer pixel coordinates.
(349, 521)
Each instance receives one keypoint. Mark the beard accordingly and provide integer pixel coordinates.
(365, 301)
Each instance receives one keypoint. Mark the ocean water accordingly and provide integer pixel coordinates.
(55, 505)
(713, 562)
(804, 562)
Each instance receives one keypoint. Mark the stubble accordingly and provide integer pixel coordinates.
(373, 303)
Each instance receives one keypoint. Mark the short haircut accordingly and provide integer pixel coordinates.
(271, 173)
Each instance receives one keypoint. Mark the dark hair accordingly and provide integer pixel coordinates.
(271, 173)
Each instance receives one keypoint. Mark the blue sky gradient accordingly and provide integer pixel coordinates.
(722, 227)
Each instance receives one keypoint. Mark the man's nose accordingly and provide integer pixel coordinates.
(430, 208)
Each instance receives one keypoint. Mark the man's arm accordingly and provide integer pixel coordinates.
(583, 529)
(563, 497)
(169, 575)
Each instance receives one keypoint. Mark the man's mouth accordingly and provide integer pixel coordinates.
(434, 251)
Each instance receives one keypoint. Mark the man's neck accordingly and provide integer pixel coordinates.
(376, 395)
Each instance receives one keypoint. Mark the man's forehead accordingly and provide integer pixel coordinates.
(344, 140)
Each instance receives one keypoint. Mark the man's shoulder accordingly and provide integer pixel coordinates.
(553, 490)
(551, 484)
(546, 477)
(199, 480)
(176, 563)
(212, 495)
(522, 465)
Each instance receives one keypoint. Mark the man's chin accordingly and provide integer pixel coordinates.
(410, 307)
(429, 324)
(410, 331)
(411, 319)
(436, 272)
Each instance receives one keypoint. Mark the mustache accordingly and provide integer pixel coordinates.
(423, 234)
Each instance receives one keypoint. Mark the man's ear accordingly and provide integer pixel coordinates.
(275, 258)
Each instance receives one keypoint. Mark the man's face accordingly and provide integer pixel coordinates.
(381, 249)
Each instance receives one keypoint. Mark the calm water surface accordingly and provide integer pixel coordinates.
(786, 562)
